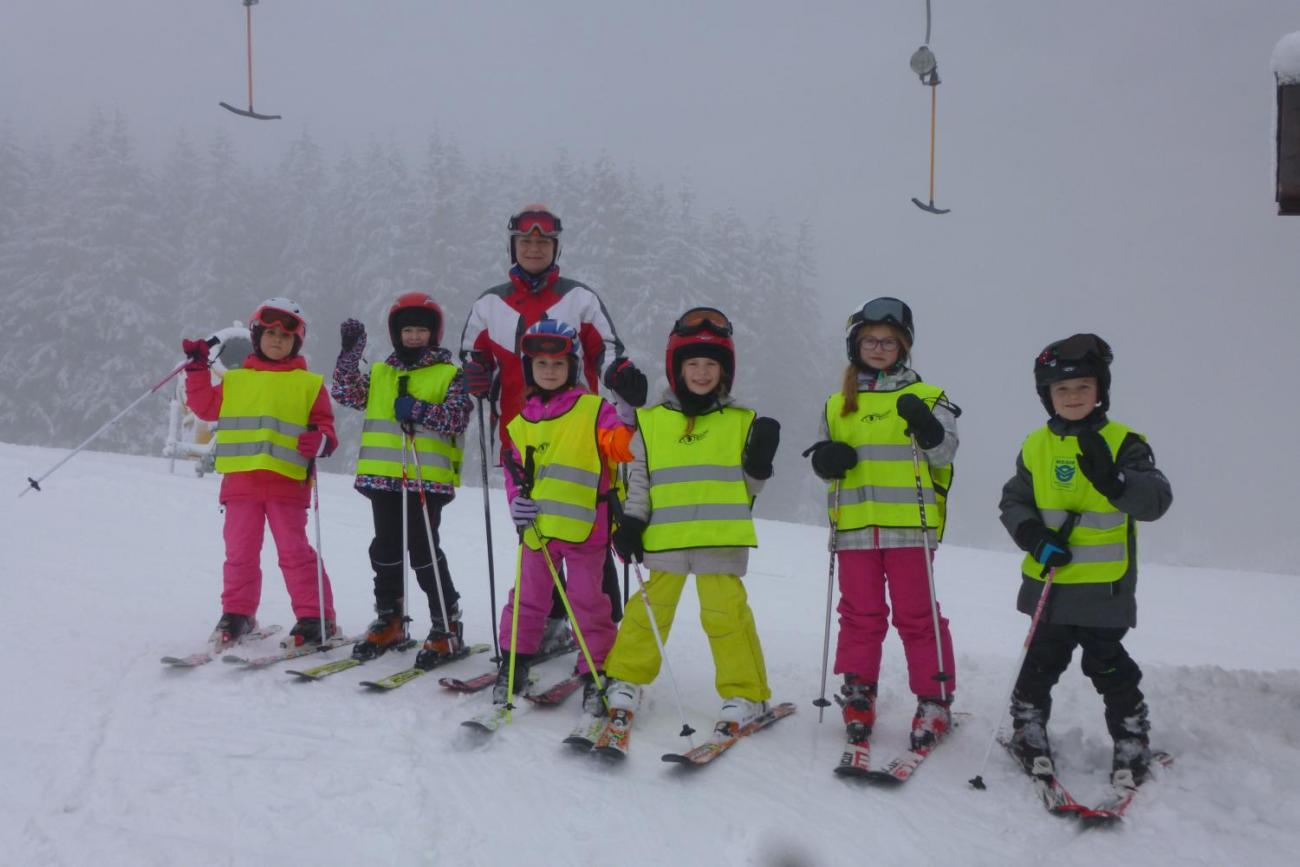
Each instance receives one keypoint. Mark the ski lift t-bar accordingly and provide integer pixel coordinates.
(248, 5)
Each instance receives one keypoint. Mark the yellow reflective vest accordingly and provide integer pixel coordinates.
(262, 414)
(880, 490)
(566, 470)
(1099, 541)
(381, 435)
(698, 495)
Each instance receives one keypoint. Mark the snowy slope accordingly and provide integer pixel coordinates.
(111, 758)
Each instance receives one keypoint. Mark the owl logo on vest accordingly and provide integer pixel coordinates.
(690, 439)
(1064, 473)
(872, 417)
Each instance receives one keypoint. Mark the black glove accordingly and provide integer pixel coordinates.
(764, 437)
(627, 539)
(921, 422)
(832, 459)
(1046, 546)
(352, 332)
(1098, 466)
(627, 382)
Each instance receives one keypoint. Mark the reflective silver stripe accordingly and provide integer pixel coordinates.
(562, 473)
(697, 473)
(1098, 553)
(884, 453)
(394, 456)
(566, 510)
(379, 425)
(885, 496)
(259, 422)
(245, 450)
(701, 512)
(1087, 520)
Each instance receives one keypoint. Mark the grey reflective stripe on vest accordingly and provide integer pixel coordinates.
(562, 473)
(1098, 553)
(872, 494)
(379, 425)
(1087, 520)
(246, 450)
(884, 453)
(701, 512)
(260, 422)
(566, 510)
(427, 459)
(697, 473)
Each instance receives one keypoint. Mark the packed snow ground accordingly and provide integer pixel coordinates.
(111, 758)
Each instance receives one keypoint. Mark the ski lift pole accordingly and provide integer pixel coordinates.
(248, 27)
(925, 65)
(35, 484)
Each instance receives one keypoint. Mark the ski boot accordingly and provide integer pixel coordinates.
(1029, 742)
(386, 632)
(858, 700)
(501, 689)
(444, 641)
(307, 632)
(741, 711)
(931, 723)
(556, 636)
(623, 695)
(1131, 766)
(230, 628)
(593, 697)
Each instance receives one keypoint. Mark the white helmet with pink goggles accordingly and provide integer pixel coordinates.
(281, 312)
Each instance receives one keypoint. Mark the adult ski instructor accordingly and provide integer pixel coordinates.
(489, 345)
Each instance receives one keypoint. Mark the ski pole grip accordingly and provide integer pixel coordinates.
(402, 388)
(530, 467)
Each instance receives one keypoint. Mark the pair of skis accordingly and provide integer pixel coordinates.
(610, 736)
(215, 649)
(496, 717)
(1110, 811)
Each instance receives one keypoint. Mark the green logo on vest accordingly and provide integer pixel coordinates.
(1065, 471)
(691, 439)
(872, 417)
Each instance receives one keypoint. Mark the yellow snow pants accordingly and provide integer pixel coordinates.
(726, 618)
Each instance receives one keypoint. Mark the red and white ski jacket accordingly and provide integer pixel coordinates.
(503, 313)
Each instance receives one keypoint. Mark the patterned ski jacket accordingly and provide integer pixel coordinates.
(351, 388)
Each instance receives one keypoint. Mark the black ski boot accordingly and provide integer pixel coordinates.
(231, 627)
(1131, 766)
(307, 632)
(1029, 737)
(593, 697)
(501, 689)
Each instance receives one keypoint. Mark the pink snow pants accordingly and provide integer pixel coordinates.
(242, 572)
(864, 617)
(584, 565)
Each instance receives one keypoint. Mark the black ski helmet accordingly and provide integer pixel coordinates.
(1076, 356)
(883, 309)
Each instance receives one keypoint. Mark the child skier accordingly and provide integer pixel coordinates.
(886, 434)
(699, 461)
(416, 397)
(273, 419)
(1082, 464)
(573, 438)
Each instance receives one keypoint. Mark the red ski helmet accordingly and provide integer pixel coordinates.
(535, 220)
(415, 308)
(701, 332)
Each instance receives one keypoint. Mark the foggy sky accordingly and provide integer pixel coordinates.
(1109, 167)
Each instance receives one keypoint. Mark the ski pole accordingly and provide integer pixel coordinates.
(822, 702)
(514, 631)
(320, 558)
(487, 526)
(687, 731)
(428, 533)
(406, 492)
(943, 677)
(35, 484)
(526, 489)
(1071, 518)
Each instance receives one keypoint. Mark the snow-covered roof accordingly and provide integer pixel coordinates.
(1286, 59)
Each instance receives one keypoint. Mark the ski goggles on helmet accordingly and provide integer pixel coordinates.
(1078, 347)
(546, 345)
(290, 324)
(703, 319)
(543, 223)
(883, 310)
